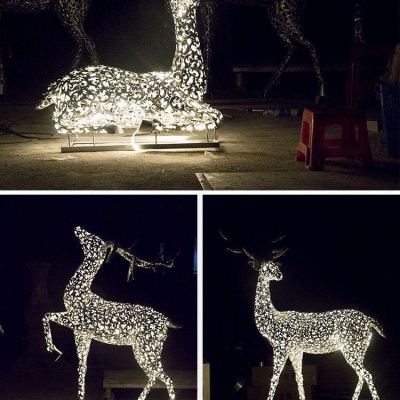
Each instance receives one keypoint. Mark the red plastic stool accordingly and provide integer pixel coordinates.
(313, 147)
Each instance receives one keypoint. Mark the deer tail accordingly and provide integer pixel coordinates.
(46, 102)
(377, 326)
(170, 324)
(49, 96)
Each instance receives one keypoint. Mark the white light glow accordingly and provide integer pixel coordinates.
(93, 318)
(293, 333)
(98, 96)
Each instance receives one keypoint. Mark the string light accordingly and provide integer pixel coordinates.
(99, 96)
(93, 318)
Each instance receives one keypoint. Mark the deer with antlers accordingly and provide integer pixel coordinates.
(293, 333)
(93, 318)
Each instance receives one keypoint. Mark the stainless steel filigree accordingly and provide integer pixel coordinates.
(292, 333)
(95, 97)
(93, 318)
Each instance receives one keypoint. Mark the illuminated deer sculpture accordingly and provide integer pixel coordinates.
(293, 333)
(93, 318)
(99, 96)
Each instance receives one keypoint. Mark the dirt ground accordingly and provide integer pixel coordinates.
(250, 142)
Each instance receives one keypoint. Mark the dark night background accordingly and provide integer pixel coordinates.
(343, 253)
(138, 35)
(40, 229)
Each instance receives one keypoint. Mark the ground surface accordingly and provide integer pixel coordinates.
(251, 143)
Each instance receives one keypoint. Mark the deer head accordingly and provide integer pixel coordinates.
(92, 246)
(181, 8)
(96, 248)
(268, 269)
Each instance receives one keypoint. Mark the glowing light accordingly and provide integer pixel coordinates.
(93, 318)
(293, 333)
(99, 96)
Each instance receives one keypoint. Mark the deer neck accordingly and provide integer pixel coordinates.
(80, 284)
(264, 311)
(188, 63)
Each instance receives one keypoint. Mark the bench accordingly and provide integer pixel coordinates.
(136, 379)
(239, 70)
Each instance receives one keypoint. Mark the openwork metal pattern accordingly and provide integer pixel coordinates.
(72, 14)
(293, 333)
(96, 97)
(93, 318)
(286, 17)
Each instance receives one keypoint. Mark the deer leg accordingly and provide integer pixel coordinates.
(61, 318)
(83, 41)
(168, 383)
(314, 58)
(82, 347)
(297, 360)
(72, 15)
(150, 362)
(355, 358)
(143, 359)
(279, 362)
(277, 74)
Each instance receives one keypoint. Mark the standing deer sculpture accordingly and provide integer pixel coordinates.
(93, 318)
(72, 14)
(99, 96)
(293, 333)
(286, 18)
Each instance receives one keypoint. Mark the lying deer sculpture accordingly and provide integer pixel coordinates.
(293, 333)
(93, 318)
(98, 96)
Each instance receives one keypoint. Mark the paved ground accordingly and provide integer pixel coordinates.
(250, 143)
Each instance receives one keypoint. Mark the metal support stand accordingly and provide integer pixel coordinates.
(190, 143)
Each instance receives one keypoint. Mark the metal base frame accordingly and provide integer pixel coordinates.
(156, 145)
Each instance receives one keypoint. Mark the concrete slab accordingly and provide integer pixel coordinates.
(289, 181)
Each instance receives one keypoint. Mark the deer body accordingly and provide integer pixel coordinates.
(72, 14)
(93, 318)
(94, 97)
(293, 333)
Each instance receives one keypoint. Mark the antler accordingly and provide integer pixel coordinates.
(136, 262)
(275, 253)
(278, 253)
(242, 251)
